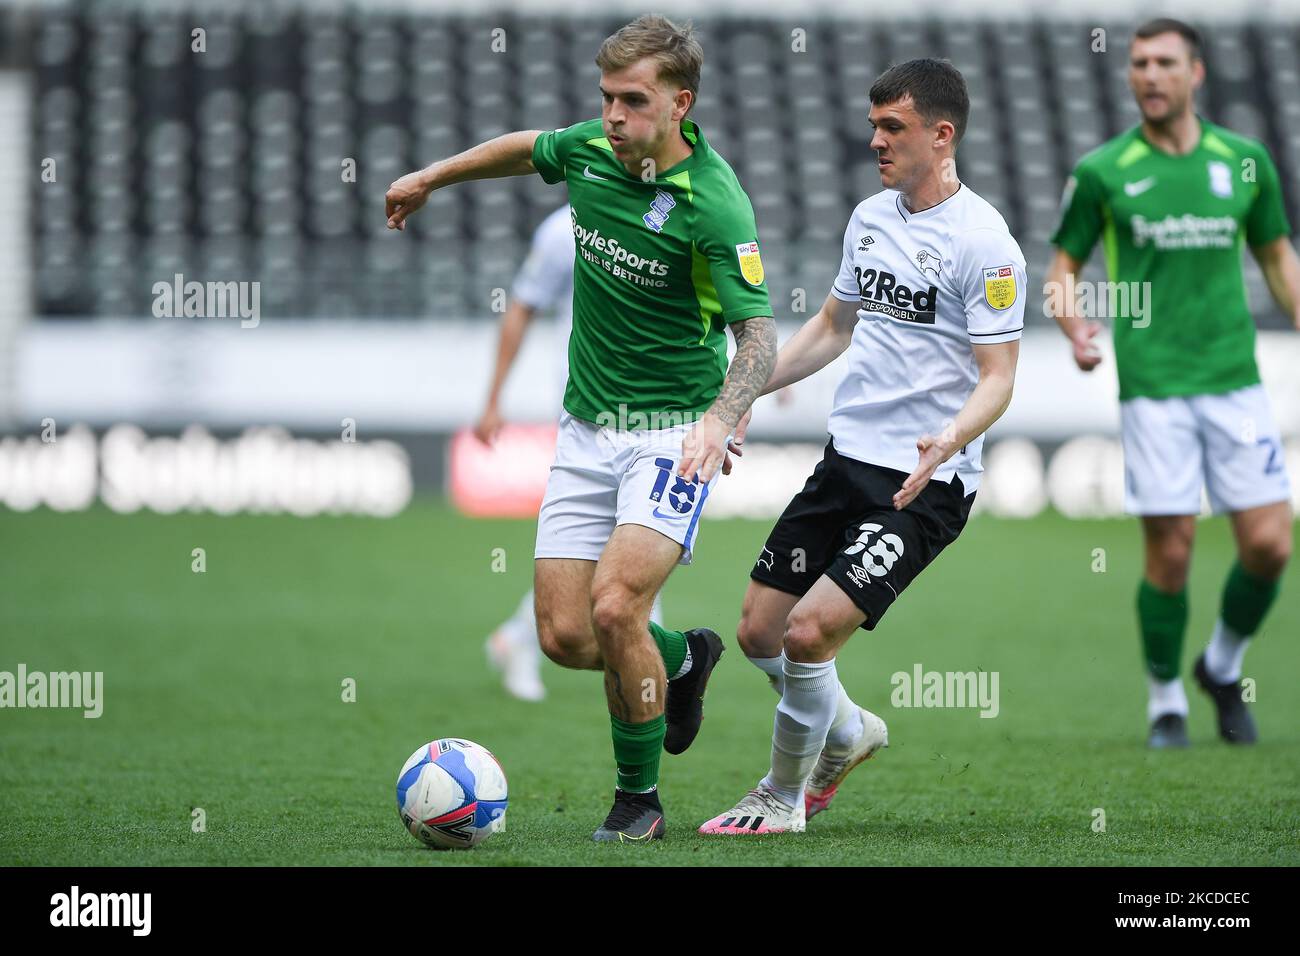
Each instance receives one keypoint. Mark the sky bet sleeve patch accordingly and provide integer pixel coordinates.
(751, 266)
(1000, 287)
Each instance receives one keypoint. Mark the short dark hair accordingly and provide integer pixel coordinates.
(1153, 28)
(937, 88)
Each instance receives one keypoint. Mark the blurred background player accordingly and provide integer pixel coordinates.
(544, 283)
(1174, 199)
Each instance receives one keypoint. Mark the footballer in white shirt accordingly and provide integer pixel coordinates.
(929, 303)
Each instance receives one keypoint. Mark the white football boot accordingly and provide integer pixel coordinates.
(520, 668)
(834, 765)
(761, 811)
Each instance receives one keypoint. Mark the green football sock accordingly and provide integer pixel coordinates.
(672, 648)
(636, 750)
(1246, 599)
(1163, 620)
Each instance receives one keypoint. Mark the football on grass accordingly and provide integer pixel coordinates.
(451, 794)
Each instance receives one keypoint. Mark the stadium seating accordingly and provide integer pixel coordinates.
(233, 163)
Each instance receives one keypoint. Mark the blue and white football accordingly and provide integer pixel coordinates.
(451, 794)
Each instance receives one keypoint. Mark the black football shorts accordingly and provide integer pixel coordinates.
(843, 525)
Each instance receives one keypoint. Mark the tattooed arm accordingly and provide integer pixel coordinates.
(749, 370)
(704, 449)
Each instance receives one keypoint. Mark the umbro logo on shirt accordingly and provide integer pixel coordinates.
(865, 243)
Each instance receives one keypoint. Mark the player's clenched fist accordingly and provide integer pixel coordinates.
(405, 196)
(1086, 354)
(704, 449)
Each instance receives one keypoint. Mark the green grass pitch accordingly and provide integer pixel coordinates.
(223, 690)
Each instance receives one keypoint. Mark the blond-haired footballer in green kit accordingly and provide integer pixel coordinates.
(1173, 201)
(667, 259)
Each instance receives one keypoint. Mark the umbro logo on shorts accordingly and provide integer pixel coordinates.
(879, 549)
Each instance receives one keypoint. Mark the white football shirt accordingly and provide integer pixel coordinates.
(930, 286)
(545, 281)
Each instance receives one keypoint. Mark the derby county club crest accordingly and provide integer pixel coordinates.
(929, 262)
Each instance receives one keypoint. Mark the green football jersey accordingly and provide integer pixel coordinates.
(1178, 223)
(661, 266)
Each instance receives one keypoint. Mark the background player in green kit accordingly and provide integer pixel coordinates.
(666, 257)
(1173, 201)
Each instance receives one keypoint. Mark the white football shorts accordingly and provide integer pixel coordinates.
(1229, 443)
(605, 477)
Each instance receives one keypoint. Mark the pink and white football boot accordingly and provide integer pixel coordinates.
(833, 766)
(761, 811)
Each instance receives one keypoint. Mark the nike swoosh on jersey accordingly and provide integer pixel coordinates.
(1139, 187)
(590, 175)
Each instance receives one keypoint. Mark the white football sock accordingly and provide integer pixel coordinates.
(803, 716)
(771, 666)
(846, 728)
(1165, 697)
(1224, 654)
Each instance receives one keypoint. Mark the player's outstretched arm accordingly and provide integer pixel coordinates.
(704, 450)
(987, 402)
(1281, 267)
(1062, 275)
(819, 341)
(508, 155)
